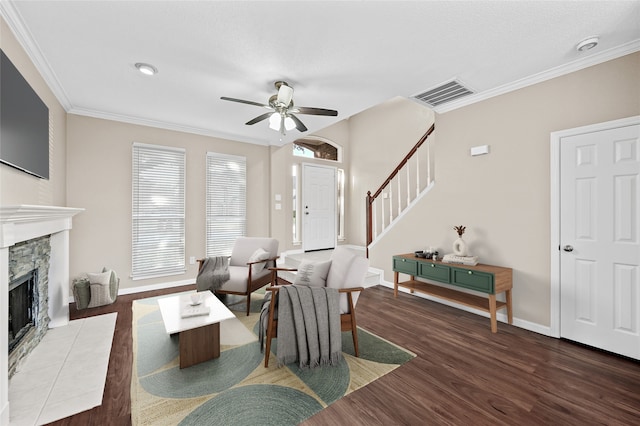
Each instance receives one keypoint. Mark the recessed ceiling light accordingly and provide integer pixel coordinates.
(146, 69)
(587, 44)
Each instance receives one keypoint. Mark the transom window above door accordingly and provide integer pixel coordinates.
(314, 147)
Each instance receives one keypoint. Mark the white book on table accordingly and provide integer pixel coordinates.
(189, 310)
(461, 260)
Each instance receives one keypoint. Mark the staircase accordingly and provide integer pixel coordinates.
(410, 180)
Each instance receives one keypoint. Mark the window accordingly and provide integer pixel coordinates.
(226, 202)
(158, 237)
(316, 147)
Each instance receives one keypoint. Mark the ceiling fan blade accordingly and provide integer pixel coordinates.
(242, 101)
(299, 125)
(259, 118)
(316, 111)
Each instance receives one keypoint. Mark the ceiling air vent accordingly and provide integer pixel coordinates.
(446, 92)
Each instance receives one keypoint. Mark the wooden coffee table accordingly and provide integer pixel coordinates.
(199, 336)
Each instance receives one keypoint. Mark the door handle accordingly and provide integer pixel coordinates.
(306, 212)
(567, 248)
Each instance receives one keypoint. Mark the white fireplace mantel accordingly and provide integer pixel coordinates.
(23, 223)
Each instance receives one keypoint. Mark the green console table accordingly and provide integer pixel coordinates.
(487, 279)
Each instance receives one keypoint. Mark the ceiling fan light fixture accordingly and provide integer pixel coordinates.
(283, 116)
(274, 121)
(289, 124)
(146, 69)
(587, 44)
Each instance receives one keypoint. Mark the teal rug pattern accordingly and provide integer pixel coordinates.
(236, 389)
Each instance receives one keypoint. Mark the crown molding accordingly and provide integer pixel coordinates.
(577, 65)
(162, 125)
(15, 22)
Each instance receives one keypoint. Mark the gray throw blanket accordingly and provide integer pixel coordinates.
(214, 273)
(264, 318)
(309, 326)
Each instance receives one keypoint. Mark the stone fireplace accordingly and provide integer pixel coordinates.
(27, 233)
(28, 297)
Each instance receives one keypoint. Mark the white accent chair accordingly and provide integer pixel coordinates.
(347, 272)
(245, 274)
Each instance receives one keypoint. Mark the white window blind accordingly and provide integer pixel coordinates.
(158, 211)
(226, 202)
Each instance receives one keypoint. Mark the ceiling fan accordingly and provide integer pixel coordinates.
(282, 117)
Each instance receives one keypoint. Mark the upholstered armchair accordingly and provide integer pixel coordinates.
(248, 266)
(345, 271)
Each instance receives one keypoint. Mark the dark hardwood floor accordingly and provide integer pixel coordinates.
(462, 375)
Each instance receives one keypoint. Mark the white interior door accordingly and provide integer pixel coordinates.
(318, 207)
(599, 239)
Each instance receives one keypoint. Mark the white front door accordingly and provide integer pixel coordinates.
(600, 239)
(318, 207)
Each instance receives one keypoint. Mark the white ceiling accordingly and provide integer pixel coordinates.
(343, 55)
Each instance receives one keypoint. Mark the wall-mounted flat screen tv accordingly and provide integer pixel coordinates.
(24, 123)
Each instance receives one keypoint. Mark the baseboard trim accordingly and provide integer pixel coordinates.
(160, 286)
(520, 323)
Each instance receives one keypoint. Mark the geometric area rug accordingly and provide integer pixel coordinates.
(236, 389)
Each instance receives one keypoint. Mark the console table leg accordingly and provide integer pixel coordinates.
(492, 311)
(396, 277)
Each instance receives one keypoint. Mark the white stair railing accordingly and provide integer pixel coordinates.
(384, 207)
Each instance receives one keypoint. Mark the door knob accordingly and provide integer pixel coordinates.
(568, 248)
(306, 212)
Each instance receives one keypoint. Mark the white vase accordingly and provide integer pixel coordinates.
(459, 247)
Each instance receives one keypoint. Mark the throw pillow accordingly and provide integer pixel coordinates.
(100, 278)
(259, 254)
(100, 286)
(312, 274)
(100, 295)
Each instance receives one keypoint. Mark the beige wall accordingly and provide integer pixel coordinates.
(503, 197)
(99, 180)
(17, 187)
